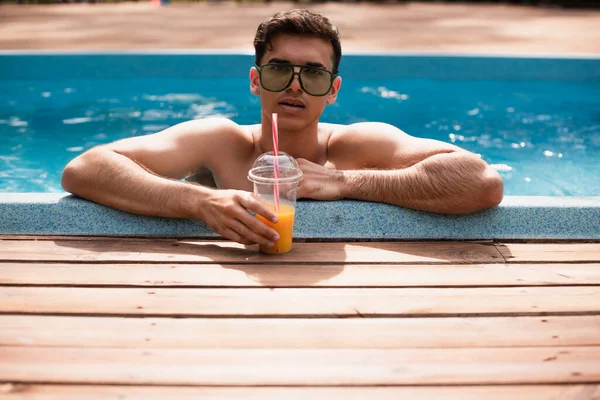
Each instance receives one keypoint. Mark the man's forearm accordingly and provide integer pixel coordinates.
(114, 180)
(451, 183)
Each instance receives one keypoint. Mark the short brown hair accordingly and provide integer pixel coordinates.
(300, 22)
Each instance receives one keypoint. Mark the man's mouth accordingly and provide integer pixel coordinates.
(292, 103)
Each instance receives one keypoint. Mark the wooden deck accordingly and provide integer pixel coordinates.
(178, 319)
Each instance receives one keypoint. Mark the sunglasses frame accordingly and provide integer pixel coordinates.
(294, 74)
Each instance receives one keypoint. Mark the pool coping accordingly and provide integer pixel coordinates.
(517, 217)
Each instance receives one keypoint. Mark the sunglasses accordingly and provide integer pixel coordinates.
(277, 77)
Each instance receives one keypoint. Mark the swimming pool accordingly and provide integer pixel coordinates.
(536, 120)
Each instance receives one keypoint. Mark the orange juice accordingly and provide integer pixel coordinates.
(284, 228)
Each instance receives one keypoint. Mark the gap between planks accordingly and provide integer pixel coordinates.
(67, 391)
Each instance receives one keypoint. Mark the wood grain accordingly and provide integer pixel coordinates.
(28, 330)
(324, 302)
(298, 275)
(114, 250)
(308, 367)
(550, 252)
(490, 392)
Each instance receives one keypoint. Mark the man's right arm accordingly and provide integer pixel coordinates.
(112, 179)
(141, 175)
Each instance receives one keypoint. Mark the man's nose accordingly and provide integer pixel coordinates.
(295, 85)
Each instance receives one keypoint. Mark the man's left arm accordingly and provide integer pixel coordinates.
(378, 162)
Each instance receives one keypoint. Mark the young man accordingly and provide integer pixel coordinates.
(297, 58)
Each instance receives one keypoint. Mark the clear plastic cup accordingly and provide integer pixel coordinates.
(266, 185)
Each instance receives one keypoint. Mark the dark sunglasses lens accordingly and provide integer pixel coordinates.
(276, 77)
(317, 82)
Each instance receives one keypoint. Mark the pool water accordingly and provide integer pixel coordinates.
(542, 135)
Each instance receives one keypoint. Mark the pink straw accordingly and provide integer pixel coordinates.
(276, 164)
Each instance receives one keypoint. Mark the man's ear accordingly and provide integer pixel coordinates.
(335, 88)
(254, 81)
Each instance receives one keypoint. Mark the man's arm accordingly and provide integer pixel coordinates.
(377, 162)
(141, 175)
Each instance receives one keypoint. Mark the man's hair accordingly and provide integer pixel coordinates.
(298, 22)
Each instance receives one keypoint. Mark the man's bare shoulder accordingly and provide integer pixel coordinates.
(379, 145)
(213, 141)
(188, 133)
(365, 131)
(221, 129)
(361, 145)
(187, 147)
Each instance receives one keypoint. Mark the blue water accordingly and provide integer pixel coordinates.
(542, 135)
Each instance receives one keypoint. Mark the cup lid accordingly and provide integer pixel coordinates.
(263, 169)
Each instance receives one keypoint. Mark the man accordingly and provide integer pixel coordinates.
(297, 58)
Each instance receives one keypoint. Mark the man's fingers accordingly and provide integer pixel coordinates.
(299, 192)
(236, 237)
(254, 224)
(240, 226)
(251, 235)
(262, 229)
(253, 204)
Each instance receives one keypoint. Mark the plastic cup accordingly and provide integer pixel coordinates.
(285, 185)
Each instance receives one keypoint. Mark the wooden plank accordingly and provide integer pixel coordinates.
(550, 252)
(27, 330)
(325, 302)
(490, 392)
(101, 238)
(298, 275)
(301, 367)
(114, 250)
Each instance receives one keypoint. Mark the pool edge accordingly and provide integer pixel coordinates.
(517, 217)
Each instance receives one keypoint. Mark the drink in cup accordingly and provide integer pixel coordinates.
(278, 191)
(284, 227)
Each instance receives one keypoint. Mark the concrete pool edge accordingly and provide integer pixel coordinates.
(517, 217)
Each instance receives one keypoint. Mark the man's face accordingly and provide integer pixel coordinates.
(296, 108)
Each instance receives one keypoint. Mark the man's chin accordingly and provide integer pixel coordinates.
(294, 121)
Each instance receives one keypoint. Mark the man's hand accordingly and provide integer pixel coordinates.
(226, 212)
(320, 183)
